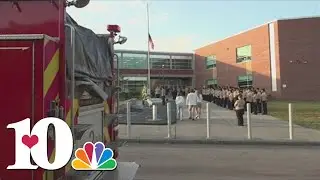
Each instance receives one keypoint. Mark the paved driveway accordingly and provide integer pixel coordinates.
(209, 162)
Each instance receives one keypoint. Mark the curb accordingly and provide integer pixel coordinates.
(222, 142)
(159, 122)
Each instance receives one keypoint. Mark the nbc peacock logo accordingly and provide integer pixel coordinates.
(94, 157)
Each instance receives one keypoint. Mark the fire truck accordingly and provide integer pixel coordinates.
(48, 62)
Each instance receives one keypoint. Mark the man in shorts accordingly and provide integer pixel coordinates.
(191, 101)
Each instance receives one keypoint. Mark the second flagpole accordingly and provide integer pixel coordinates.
(148, 56)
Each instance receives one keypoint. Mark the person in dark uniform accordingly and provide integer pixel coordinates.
(174, 93)
(239, 108)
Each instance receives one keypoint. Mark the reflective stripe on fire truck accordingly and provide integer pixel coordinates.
(50, 87)
(68, 120)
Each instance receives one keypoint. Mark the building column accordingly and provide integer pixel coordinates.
(170, 62)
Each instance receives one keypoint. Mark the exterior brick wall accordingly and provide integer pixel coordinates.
(297, 53)
(300, 58)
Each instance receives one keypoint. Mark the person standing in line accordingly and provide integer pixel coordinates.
(174, 93)
(249, 99)
(244, 95)
(230, 100)
(258, 97)
(223, 96)
(180, 102)
(163, 96)
(254, 103)
(204, 92)
(186, 90)
(191, 101)
(239, 108)
(199, 103)
(226, 97)
(235, 96)
(264, 99)
(158, 92)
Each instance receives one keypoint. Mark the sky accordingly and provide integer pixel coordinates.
(185, 25)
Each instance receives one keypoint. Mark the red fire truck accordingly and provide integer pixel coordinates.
(47, 62)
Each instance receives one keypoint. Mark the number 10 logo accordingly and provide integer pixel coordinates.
(34, 144)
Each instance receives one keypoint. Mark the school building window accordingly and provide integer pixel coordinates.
(245, 81)
(243, 54)
(211, 62)
(211, 82)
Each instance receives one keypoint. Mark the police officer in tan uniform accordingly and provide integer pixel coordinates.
(239, 108)
(258, 98)
(254, 102)
(249, 98)
(230, 99)
(264, 99)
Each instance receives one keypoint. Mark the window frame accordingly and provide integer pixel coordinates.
(243, 60)
(214, 79)
(249, 81)
(214, 65)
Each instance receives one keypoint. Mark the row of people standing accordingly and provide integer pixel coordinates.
(227, 96)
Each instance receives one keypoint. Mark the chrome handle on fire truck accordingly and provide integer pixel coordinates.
(72, 76)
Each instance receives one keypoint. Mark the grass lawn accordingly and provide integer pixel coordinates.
(306, 114)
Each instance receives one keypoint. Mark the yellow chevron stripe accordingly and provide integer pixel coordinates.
(105, 129)
(51, 72)
(48, 77)
(49, 175)
(68, 167)
(75, 108)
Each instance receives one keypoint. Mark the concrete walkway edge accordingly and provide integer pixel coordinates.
(222, 142)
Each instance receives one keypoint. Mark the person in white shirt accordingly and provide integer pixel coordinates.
(191, 101)
(199, 102)
(157, 92)
(180, 102)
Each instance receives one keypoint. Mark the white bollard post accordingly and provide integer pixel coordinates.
(249, 120)
(208, 120)
(154, 112)
(290, 122)
(129, 119)
(169, 119)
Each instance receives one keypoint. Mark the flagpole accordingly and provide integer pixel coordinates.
(148, 58)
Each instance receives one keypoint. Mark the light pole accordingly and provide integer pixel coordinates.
(118, 81)
(163, 75)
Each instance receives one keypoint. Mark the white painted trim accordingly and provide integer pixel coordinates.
(273, 64)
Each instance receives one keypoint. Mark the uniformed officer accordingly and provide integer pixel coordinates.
(230, 99)
(212, 94)
(264, 99)
(249, 99)
(244, 96)
(254, 102)
(258, 98)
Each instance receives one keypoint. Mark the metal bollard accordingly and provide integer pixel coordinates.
(129, 119)
(290, 122)
(169, 119)
(208, 120)
(249, 120)
(154, 112)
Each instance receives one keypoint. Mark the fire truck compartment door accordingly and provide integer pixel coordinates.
(16, 94)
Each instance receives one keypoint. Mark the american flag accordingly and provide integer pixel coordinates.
(151, 42)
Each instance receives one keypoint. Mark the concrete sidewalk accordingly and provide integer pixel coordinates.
(223, 127)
